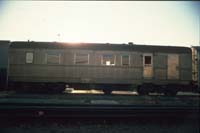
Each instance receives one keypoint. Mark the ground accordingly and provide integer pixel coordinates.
(103, 125)
(98, 125)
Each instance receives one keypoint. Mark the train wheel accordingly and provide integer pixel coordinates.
(142, 90)
(142, 93)
(170, 93)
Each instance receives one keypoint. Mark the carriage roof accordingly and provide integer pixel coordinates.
(100, 46)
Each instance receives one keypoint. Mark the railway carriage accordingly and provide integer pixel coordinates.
(52, 66)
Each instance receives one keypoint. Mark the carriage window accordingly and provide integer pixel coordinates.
(53, 58)
(29, 57)
(81, 59)
(125, 60)
(108, 59)
(147, 60)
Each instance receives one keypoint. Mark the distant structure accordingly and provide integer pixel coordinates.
(130, 43)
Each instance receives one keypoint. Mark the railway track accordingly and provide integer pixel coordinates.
(59, 110)
(109, 118)
(77, 105)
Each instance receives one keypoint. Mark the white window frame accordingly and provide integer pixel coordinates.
(29, 60)
(150, 65)
(128, 59)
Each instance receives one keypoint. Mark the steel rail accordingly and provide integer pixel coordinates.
(53, 110)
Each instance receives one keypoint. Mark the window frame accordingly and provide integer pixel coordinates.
(75, 57)
(128, 59)
(148, 65)
(32, 61)
(59, 62)
(103, 58)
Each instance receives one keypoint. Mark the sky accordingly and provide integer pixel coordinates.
(173, 23)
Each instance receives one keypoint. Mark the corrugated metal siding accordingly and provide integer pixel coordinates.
(185, 61)
(160, 66)
(68, 57)
(160, 74)
(185, 67)
(198, 62)
(39, 56)
(4, 45)
(173, 67)
(136, 60)
(17, 56)
(186, 74)
(199, 66)
(160, 61)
